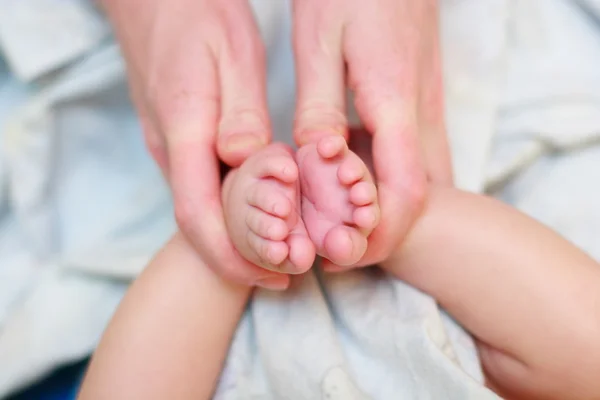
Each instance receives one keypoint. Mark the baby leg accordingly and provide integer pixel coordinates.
(262, 212)
(339, 199)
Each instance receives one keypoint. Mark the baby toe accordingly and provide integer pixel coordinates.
(363, 193)
(332, 146)
(266, 198)
(366, 217)
(265, 225)
(301, 254)
(351, 170)
(279, 166)
(271, 253)
(344, 246)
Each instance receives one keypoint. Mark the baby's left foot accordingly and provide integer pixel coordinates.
(339, 199)
(262, 212)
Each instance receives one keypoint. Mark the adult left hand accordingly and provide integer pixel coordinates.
(386, 52)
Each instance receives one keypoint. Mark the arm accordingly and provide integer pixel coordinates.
(530, 298)
(171, 333)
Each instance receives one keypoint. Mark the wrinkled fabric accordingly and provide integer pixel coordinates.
(39, 36)
(86, 209)
(83, 207)
(545, 157)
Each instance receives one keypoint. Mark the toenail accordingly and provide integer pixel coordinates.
(273, 283)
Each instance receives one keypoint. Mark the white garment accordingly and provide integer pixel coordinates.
(85, 207)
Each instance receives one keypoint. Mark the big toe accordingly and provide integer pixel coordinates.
(301, 255)
(344, 245)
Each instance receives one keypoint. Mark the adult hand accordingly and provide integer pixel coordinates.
(197, 77)
(390, 49)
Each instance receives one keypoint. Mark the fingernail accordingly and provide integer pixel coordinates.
(277, 283)
(243, 141)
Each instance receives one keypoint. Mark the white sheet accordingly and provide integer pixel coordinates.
(546, 151)
(87, 208)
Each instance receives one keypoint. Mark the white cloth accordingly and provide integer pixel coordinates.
(58, 33)
(545, 156)
(85, 207)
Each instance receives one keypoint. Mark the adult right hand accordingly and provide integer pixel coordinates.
(197, 76)
(387, 53)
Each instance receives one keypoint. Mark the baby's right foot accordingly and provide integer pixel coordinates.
(339, 199)
(262, 212)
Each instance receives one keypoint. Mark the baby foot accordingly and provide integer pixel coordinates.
(262, 212)
(339, 199)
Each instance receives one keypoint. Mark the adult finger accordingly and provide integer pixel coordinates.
(200, 215)
(189, 120)
(401, 184)
(244, 126)
(384, 77)
(317, 35)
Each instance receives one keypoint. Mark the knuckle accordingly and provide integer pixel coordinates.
(384, 72)
(320, 109)
(177, 95)
(184, 102)
(319, 115)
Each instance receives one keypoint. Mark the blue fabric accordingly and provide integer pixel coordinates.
(61, 385)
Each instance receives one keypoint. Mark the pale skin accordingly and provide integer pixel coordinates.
(282, 209)
(197, 76)
(529, 297)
